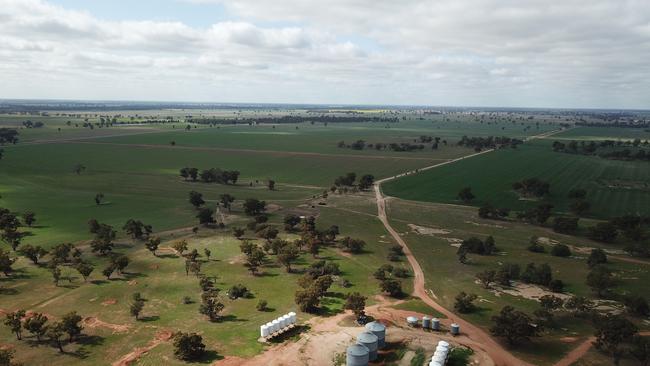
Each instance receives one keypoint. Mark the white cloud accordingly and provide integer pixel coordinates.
(491, 52)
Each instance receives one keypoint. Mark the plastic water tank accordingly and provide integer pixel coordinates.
(442, 348)
(455, 329)
(426, 322)
(275, 325)
(371, 342)
(444, 344)
(439, 358)
(293, 317)
(435, 363)
(264, 331)
(379, 330)
(357, 355)
(435, 324)
(284, 321)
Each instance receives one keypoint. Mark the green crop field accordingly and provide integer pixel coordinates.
(613, 187)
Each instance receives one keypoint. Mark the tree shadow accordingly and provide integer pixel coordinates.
(209, 357)
(149, 318)
(8, 291)
(98, 282)
(267, 274)
(231, 318)
(290, 334)
(90, 340)
(165, 256)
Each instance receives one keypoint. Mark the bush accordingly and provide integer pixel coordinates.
(561, 250)
(565, 224)
(536, 248)
(187, 300)
(401, 272)
(238, 291)
(262, 305)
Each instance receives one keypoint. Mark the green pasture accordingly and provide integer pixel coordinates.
(163, 282)
(446, 277)
(613, 187)
(603, 133)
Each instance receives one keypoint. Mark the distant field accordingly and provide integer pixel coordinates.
(324, 139)
(143, 183)
(604, 133)
(614, 187)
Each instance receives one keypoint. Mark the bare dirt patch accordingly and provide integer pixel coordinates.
(423, 230)
(133, 356)
(485, 225)
(92, 322)
(109, 302)
(527, 291)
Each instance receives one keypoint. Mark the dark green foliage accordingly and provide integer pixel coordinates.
(603, 231)
(477, 246)
(254, 206)
(611, 332)
(596, 257)
(600, 280)
(238, 291)
(513, 325)
(136, 229)
(532, 187)
(352, 245)
(356, 302)
(561, 250)
(565, 225)
(466, 195)
(465, 303)
(188, 346)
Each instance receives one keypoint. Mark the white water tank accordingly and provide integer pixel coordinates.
(379, 330)
(412, 321)
(442, 348)
(293, 317)
(439, 358)
(275, 326)
(283, 321)
(357, 355)
(444, 344)
(264, 331)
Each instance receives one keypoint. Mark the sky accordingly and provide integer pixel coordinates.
(497, 53)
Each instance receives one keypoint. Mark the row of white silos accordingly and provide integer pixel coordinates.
(440, 356)
(278, 324)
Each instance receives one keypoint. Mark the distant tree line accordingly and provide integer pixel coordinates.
(292, 119)
(596, 147)
(490, 142)
(417, 144)
(8, 136)
(213, 175)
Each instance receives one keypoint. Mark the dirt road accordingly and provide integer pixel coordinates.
(484, 341)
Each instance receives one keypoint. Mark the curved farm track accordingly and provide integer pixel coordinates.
(499, 355)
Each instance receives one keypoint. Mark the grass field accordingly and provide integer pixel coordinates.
(613, 187)
(136, 168)
(163, 282)
(446, 277)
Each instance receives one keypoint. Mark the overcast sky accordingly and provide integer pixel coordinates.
(522, 53)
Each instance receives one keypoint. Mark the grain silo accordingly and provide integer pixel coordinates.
(357, 355)
(426, 322)
(379, 330)
(370, 341)
(455, 329)
(435, 324)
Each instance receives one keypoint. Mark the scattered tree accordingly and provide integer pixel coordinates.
(188, 346)
(513, 325)
(465, 303)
